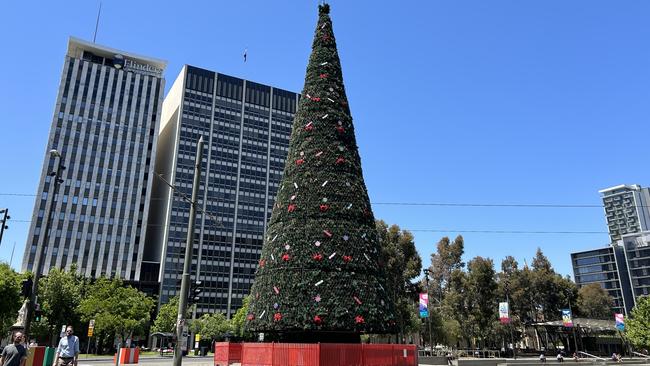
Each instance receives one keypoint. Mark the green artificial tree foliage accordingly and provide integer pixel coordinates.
(319, 277)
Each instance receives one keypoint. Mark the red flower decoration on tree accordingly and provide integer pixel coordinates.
(315, 99)
(323, 76)
(340, 129)
(340, 160)
(300, 161)
(262, 262)
(309, 126)
(292, 207)
(318, 320)
(324, 208)
(285, 257)
(317, 257)
(359, 319)
(347, 258)
(277, 317)
(250, 317)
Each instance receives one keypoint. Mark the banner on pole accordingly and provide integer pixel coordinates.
(504, 313)
(567, 320)
(620, 321)
(424, 305)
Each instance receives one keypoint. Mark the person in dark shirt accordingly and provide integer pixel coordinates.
(14, 354)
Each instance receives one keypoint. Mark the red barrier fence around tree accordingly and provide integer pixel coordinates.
(319, 354)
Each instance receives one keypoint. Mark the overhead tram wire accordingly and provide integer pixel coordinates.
(438, 204)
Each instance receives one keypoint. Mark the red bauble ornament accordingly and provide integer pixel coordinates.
(340, 160)
(291, 207)
(250, 317)
(323, 76)
(317, 257)
(359, 319)
(340, 129)
(300, 161)
(286, 257)
(262, 263)
(309, 126)
(347, 258)
(277, 317)
(318, 320)
(324, 208)
(316, 99)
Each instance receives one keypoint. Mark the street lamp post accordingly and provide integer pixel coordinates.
(426, 278)
(58, 163)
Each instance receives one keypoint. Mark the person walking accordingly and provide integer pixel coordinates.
(560, 357)
(542, 358)
(14, 354)
(68, 349)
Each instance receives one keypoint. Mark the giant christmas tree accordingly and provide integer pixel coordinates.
(319, 276)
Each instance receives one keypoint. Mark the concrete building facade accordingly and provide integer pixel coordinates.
(627, 210)
(246, 128)
(105, 126)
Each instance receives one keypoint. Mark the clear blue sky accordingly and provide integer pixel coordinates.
(453, 101)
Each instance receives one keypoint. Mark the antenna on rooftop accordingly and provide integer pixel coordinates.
(97, 22)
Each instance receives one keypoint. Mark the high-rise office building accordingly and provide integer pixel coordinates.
(246, 128)
(105, 126)
(637, 254)
(608, 268)
(627, 210)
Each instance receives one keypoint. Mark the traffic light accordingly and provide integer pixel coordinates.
(26, 290)
(195, 292)
(38, 314)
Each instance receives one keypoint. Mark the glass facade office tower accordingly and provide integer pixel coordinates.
(627, 210)
(606, 267)
(246, 128)
(105, 126)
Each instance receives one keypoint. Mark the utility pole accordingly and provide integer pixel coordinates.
(426, 278)
(3, 222)
(185, 281)
(31, 306)
(573, 328)
(512, 338)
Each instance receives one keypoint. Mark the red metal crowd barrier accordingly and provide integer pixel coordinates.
(319, 354)
(226, 353)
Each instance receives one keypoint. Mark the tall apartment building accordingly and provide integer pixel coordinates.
(608, 268)
(246, 128)
(105, 126)
(627, 210)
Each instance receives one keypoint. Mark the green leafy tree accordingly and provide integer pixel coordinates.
(212, 326)
(238, 321)
(10, 299)
(60, 294)
(402, 264)
(482, 298)
(594, 302)
(455, 306)
(319, 276)
(118, 311)
(446, 259)
(549, 291)
(165, 321)
(637, 327)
